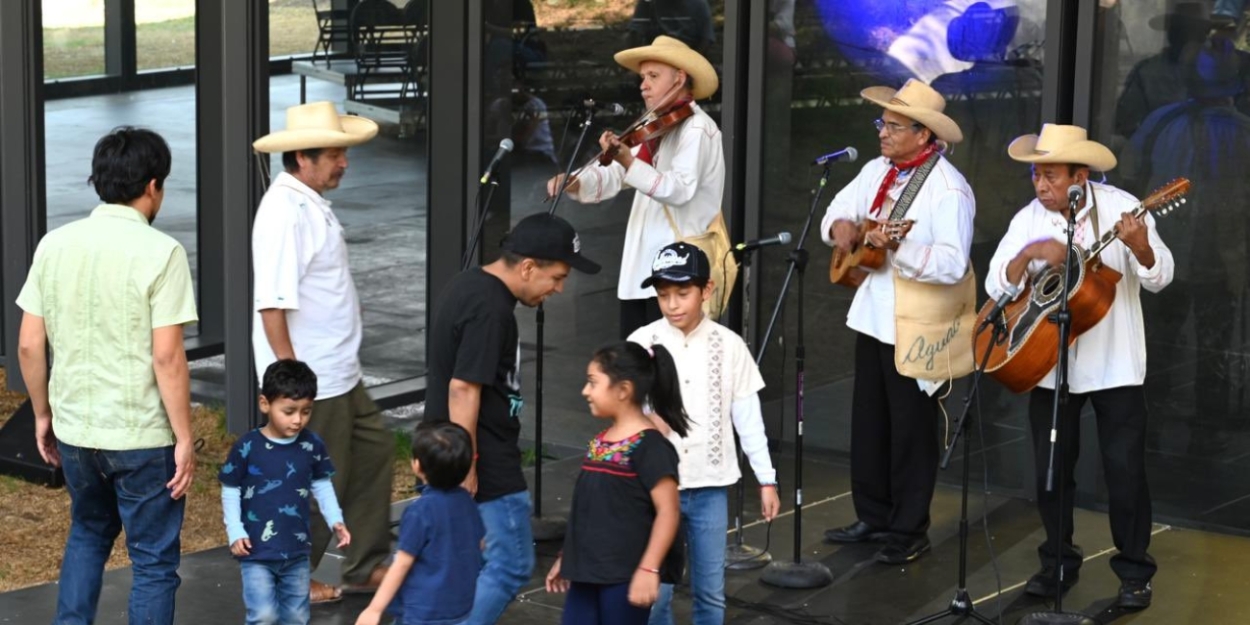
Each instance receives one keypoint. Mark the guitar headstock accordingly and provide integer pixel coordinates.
(1167, 198)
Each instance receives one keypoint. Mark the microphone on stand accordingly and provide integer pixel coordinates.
(845, 154)
(782, 238)
(505, 146)
(1008, 296)
(1075, 194)
(610, 108)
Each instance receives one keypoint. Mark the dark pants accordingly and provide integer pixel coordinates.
(1121, 418)
(636, 313)
(599, 604)
(894, 443)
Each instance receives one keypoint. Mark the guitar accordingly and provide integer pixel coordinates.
(848, 268)
(1031, 347)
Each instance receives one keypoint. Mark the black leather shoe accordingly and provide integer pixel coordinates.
(856, 532)
(1042, 584)
(1135, 594)
(904, 551)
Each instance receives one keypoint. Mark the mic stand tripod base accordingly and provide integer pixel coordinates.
(740, 557)
(548, 528)
(1057, 618)
(802, 575)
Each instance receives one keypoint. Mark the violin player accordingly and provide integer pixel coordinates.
(681, 172)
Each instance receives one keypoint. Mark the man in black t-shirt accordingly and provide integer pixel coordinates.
(474, 381)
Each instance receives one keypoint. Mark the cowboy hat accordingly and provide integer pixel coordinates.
(1196, 13)
(317, 125)
(1058, 143)
(920, 102)
(670, 51)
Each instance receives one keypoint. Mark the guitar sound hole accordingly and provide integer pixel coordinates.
(1050, 286)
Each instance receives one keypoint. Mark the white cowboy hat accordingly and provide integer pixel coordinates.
(317, 125)
(920, 102)
(1058, 143)
(670, 51)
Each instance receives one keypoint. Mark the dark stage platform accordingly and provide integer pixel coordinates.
(1202, 576)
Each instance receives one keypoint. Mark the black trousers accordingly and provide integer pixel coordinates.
(894, 443)
(636, 313)
(1121, 418)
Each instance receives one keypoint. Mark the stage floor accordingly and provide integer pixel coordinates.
(1201, 575)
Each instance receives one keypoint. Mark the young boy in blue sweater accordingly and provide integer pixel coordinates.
(266, 484)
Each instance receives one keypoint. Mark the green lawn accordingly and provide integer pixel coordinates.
(71, 52)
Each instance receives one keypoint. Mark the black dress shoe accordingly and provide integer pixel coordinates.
(1042, 584)
(1135, 594)
(856, 532)
(903, 551)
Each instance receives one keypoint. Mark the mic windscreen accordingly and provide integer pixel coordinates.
(784, 237)
(851, 156)
(506, 145)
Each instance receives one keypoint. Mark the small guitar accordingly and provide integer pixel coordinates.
(1031, 348)
(849, 269)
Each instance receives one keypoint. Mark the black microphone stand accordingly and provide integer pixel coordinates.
(1055, 479)
(740, 556)
(482, 212)
(961, 605)
(797, 574)
(549, 528)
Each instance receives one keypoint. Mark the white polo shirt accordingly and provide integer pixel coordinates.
(299, 264)
(719, 387)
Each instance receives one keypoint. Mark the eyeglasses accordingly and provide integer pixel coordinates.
(892, 127)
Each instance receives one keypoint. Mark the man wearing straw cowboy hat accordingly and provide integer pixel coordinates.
(680, 177)
(894, 419)
(307, 308)
(1107, 363)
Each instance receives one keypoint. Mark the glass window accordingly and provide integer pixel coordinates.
(73, 38)
(294, 25)
(820, 54)
(164, 33)
(1172, 101)
(381, 198)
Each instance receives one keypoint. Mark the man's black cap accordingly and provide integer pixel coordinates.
(548, 237)
(679, 262)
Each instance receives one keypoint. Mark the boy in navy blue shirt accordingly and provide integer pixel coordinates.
(434, 576)
(266, 483)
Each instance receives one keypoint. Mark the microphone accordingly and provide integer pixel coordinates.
(782, 238)
(845, 154)
(1075, 194)
(611, 108)
(999, 305)
(505, 146)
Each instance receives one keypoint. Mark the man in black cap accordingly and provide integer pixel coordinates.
(473, 380)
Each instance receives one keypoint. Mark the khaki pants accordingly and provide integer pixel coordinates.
(362, 450)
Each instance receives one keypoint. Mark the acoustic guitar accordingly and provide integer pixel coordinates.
(1031, 347)
(849, 269)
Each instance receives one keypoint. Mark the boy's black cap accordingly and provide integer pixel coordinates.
(679, 262)
(548, 237)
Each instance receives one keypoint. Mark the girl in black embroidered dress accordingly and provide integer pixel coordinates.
(625, 502)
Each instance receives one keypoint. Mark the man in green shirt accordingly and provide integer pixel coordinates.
(109, 294)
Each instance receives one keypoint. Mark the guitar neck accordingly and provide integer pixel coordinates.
(1110, 236)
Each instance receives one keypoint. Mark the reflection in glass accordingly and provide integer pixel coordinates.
(164, 33)
(1175, 104)
(73, 38)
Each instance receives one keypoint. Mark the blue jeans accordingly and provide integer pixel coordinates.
(276, 592)
(509, 556)
(704, 524)
(108, 491)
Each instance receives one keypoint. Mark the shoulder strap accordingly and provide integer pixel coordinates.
(671, 222)
(913, 187)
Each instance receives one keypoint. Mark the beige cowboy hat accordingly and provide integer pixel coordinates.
(317, 125)
(1062, 144)
(673, 52)
(920, 102)
(1194, 13)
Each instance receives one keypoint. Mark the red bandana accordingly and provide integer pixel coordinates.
(892, 175)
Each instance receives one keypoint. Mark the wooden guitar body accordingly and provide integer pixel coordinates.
(848, 269)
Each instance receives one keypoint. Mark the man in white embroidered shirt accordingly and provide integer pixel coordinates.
(894, 419)
(1107, 364)
(307, 308)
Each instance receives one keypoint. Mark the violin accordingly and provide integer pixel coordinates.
(652, 125)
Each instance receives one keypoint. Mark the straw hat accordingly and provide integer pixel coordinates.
(1062, 144)
(317, 125)
(920, 102)
(670, 51)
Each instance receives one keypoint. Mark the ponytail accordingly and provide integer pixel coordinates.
(653, 374)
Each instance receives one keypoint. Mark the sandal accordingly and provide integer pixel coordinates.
(321, 593)
(375, 579)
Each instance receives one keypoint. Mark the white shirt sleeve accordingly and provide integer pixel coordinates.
(1013, 241)
(843, 206)
(597, 183)
(945, 261)
(749, 422)
(677, 184)
(279, 259)
(1160, 275)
